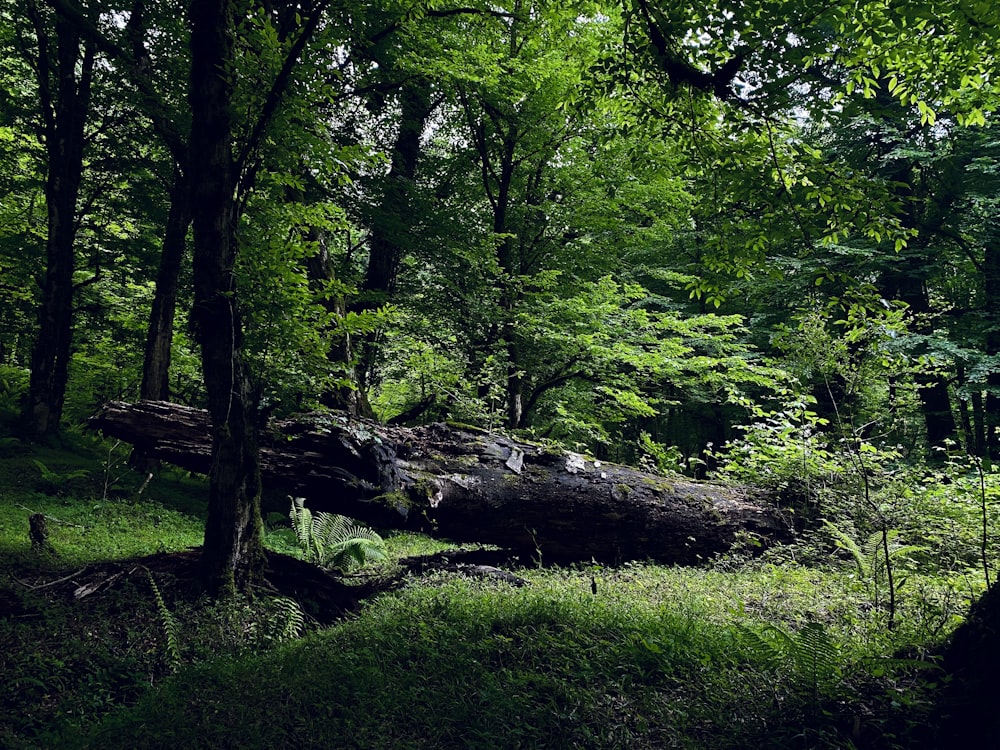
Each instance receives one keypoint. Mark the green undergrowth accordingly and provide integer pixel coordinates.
(90, 531)
(742, 653)
(654, 659)
(97, 508)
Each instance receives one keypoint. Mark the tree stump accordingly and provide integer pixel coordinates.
(38, 532)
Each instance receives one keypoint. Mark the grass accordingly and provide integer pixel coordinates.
(84, 532)
(765, 653)
(452, 663)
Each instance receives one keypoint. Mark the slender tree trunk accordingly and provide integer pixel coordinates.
(160, 332)
(233, 553)
(509, 301)
(509, 269)
(65, 99)
(391, 225)
(510, 297)
(907, 285)
(991, 305)
(341, 354)
(979, 424)
(497, 169)
(159, 335)
(972, 446)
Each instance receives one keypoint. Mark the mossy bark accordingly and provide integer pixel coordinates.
(473, 486)
(233, 555)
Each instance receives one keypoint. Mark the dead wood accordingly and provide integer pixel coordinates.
(472, 486)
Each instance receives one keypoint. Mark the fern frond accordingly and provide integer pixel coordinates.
(879, 666)
(328, 529)
(293, 616)
(352, 546)
(768, 648)
(815, 655)
(47, 475)
(905, 550)
(355, 552)
(846, 543)
(302, 522)
(171, 628)
(334, 541)
(58, 477)
(874, 551)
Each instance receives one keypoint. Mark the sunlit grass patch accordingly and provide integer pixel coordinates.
(653, 659)
(409, 544)
(90, 531)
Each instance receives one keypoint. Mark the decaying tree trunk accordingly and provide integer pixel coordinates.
(467, 485)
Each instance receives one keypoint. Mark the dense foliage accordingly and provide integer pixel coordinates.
(612, 226)
(754, 241)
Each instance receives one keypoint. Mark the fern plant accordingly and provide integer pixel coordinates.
(810, 656)
(815, 657)
(875, 560)
(334, 541)
(288, 620)
(171, 627)
(55, 482)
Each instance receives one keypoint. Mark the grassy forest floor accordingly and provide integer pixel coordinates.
(105, 644)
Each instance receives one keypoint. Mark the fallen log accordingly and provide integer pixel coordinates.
(468, 485)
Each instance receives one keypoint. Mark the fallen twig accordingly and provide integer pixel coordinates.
(50, 583)
(52, 518)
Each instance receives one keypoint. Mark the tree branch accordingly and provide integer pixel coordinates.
(681, 72)
(554, 382)
(138, 73)
(274, 96)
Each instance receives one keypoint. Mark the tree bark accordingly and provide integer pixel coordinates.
(160, 331)
(233, 555)
(468, 485)
(391, 224)
(159, 334)
(393, 217)
(64, 82)
(991, 313)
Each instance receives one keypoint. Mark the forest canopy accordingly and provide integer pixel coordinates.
(697, 304)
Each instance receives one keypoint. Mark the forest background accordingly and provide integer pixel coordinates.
(756, 242)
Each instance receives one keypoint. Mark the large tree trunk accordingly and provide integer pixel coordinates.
(64, 81)
(469, 485)
(967, 703)
(233, 555)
